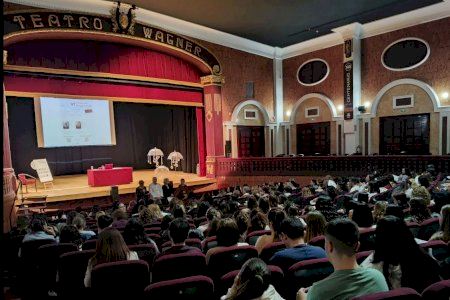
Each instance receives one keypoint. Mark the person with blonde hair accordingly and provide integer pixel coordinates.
(419, 191)
(379, 210)
(315, 225)
(306, 192)
(145, 215)
(444, 220)
(155, 212)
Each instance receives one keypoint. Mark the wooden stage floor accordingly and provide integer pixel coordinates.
(75, 187)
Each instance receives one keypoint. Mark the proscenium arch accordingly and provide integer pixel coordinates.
(238, 108)
(105, 37)
(428, 89)
(324, 98)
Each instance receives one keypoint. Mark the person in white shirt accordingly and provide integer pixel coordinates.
(155, 189)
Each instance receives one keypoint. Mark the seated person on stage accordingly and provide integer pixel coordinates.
(103, 222)
(141, 190)
(155, 190)
(182, 191)
(167, 190)
(292, 234)
(348, 279)
(178, 233)
(120, 219)
(80, 223)
(227, 236)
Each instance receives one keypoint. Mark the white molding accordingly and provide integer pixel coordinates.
(240, 105)
(250, 110)
(322, 97)
(410, 67)
(428, 89)
(308, 61)
(412, 18)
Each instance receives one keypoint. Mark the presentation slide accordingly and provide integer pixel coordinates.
(74, 122)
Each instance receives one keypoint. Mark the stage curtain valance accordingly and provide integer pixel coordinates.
(96, 56)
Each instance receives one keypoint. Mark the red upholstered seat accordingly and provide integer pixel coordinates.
(397, 294)
(146, 252)
(172, 266)
(438, 249)
(427, 228)
(89, 244)
(269, 250)
(304, 274)
(414, 228)
(189, 288)
(361, 256)
(228, 259)
(318, 241)
(209, 243)
(121, 279)
(252, 237)
(226, 281)
(438, 290)
(155, 230)
(71, 270)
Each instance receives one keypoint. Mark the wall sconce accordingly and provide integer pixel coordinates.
(362, 109)
(340, 107)
(288, 113)
(444, 95)
(366, 104)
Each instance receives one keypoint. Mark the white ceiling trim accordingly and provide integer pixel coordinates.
(415, 17)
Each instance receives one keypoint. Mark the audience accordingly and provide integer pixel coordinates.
(315, 225)
(348, 279)
(444, 225)
(326, 207)
(361, 215)
(419, 211)
(178, 233)
(103, 222)
(292, 234)
(275, 216)
(211, 214)
(80, 223)
(379, 210)
(39, 231)
(110, 248)
(134, 233)
(120, 219)
(252, 282)
(399, 258)
(70, 234)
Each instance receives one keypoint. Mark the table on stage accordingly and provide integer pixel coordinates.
(114, 176)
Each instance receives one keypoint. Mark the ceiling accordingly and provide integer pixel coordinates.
(279, 23)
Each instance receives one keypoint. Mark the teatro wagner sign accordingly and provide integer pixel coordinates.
(119, 23)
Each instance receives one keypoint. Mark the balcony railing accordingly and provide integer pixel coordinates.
(332, 165)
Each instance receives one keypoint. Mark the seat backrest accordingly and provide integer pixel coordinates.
(194, 243)
(305, 273)
(155, 230)
(366, 239)
(318, 241)
(145, 252)
(252, 237)
(172, 266)
(29, 248)
(228, 259)
(190, 288)
(71, 270)
(361, 256)
(439, 249)
(209, 243)
(115, 280)
(396, 294)
(89, 244)
(269, 250)
(22, 178)
(438, 290)
(414, 228)
(427, 228)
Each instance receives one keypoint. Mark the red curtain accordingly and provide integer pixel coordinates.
(96, 56)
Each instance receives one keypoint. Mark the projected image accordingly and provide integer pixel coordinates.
(84, 122)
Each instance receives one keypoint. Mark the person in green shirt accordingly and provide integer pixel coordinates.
(348, 279)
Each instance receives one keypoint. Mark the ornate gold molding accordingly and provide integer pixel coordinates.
(5, 57)
(212, 79)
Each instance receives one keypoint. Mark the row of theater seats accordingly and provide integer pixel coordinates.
(41, 260)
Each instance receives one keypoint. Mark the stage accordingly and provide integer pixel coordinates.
(75, 187)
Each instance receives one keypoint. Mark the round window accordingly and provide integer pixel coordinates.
(313, 72)
(405, 54)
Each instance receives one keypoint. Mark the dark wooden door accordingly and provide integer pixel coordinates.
(313, 138)
(405, 134)
(250, 141)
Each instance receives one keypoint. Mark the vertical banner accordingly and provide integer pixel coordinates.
(348, 49)
(348, 90)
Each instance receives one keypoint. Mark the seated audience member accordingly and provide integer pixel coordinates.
(211, 214)
(326, 207)
(421, 192)
(276, 216)
(182, 191)
(95, 209)
(348, 279)
(178, 233)
(252, 203)
(134, 234)
(292, 234)
(227, 235)
(60, 217)
(110, 248)
(252, 282)
(379, 210)
(167, 189)
(145, 215)
(419, 211)
(394, 210)
(120, 219)
(258, 222)
(315, 225)
(80, 223)
(399, 258)
(444, 222)
(354, 185)
(155, 190)
(165, 227)
(179, 211)
(264, 205)
(155, 212)
(70, 216)
(243, 222)
(306, 192)
(103, 222)
(122, 207)
(70, 234)
(39, 231)
(361, 215)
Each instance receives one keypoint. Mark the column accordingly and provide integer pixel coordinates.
(212, 89)
(351, 36)
(9, 178)
(201, 140)
(278, 103)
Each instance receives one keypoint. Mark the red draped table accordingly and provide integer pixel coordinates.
(107, 177)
